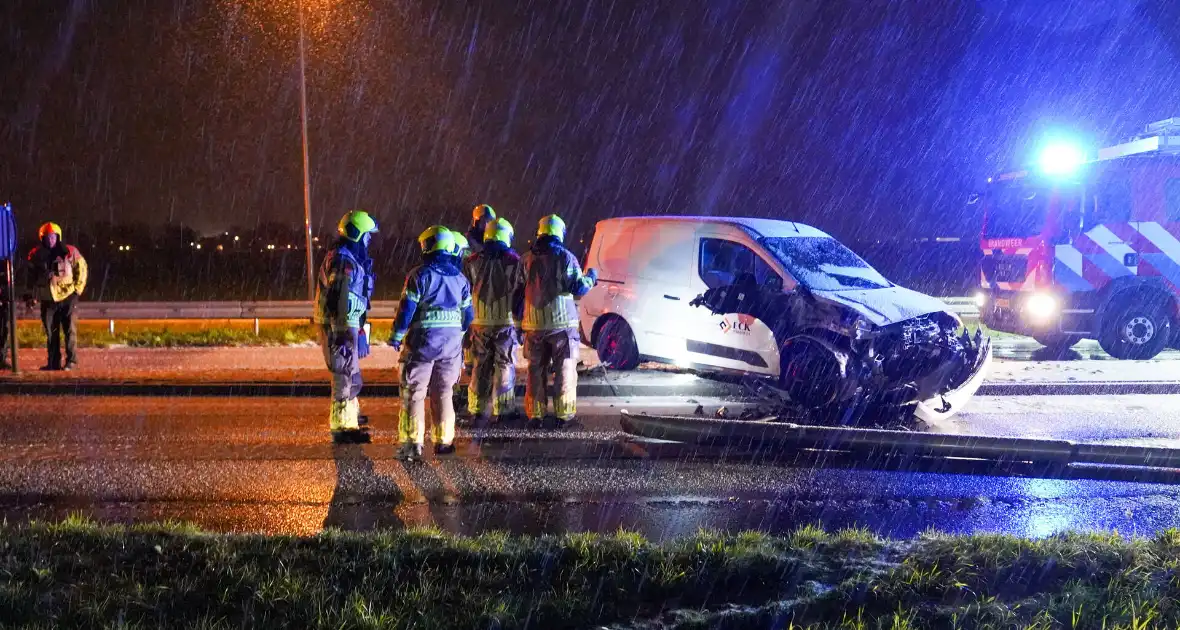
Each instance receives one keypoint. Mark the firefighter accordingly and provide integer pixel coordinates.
(553, 278)
(434, 312)
(56, 278)
(481, 216)
(343, 290)
(497, 289)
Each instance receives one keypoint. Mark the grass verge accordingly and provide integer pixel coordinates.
(193, 334)
(80, 574)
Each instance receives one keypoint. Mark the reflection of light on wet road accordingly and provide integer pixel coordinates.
(1049, 517)
(1026, 349)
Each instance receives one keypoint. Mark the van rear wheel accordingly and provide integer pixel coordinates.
(616, 345)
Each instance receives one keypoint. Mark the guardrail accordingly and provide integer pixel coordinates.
(129, 311)
(962, 305)
(257, 311)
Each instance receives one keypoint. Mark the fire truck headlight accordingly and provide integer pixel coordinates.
(1041, 306)
(980, 299)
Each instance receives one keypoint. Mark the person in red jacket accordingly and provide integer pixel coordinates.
(57, 276)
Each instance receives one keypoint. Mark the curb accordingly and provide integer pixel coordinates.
(1076, 388)
(701, 388)
(878, 442)
(322, 390)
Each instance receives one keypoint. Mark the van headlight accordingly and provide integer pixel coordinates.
(980, 299)
(1041, 306)
(861, 328)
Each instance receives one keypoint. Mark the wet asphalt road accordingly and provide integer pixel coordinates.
(262, 464)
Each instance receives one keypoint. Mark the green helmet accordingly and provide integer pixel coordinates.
(436, 238)
(552, 225)
(461, 243)
(499, 230)
(356, 224)
(482, 211)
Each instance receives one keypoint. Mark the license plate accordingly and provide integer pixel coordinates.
(1003, 302)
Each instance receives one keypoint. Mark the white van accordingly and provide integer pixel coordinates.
(778, 299)
(650, 268)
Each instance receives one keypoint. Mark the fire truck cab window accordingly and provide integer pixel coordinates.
(1172, 199)
(1110, 202)
(1019, 210)
(722, 262)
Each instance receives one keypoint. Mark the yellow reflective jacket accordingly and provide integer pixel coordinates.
(56, 274)
(553, 278)
(497, 285)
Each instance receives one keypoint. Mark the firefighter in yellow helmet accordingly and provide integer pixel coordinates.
(497, 290)
(57, 276)
(344, 288)
(434, 312)
(462, 248)
(552, 278)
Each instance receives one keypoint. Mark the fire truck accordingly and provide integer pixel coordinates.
(1087, 247)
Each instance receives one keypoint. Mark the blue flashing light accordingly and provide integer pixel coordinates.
(1061, 158)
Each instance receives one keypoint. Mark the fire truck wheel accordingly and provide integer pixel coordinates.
(616, 345)
(1139, 330)
(1057, 342)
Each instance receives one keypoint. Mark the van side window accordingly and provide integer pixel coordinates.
(1109, 203)
(722, 262)
(1172, 199)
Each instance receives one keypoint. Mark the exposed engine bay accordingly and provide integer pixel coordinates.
(846, 357)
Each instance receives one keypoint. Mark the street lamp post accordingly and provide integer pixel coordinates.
(306, 166)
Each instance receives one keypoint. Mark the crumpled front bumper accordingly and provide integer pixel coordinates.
(941, 407)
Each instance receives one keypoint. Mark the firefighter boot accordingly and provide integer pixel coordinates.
(343, 423)
(409, 452)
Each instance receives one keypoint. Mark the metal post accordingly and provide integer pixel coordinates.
(11, 269)
(306, 165)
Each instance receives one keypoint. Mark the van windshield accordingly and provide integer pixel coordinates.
(824, 264)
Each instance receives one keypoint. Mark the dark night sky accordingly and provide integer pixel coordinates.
(852, 115)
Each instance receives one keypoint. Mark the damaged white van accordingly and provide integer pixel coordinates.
(778, 299)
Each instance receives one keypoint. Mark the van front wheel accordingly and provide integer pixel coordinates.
(1139, 330)
(616, 345)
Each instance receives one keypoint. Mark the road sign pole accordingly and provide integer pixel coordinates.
(306, 163)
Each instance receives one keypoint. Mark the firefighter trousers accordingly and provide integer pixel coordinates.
(60, 319)
(340, 355)
(493, 376)
(422, 379)
(552, 352)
